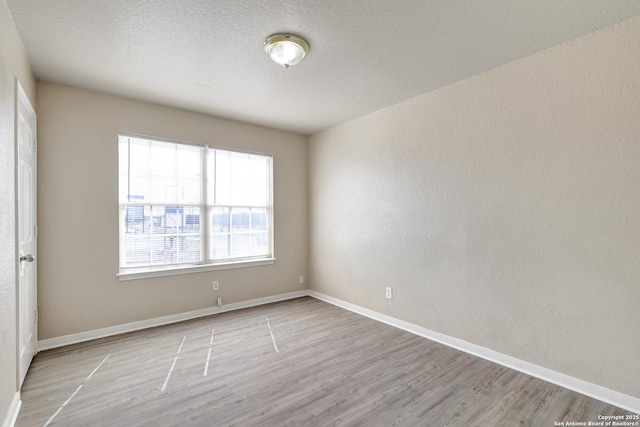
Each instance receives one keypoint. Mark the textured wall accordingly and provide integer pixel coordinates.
(13, 64)
(503, 210)
(78, 212)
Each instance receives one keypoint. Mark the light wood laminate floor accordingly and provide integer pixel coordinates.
(301, 362)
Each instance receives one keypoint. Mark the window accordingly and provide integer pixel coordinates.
(187, 207)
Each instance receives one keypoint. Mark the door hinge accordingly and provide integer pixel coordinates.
(35, 316)
(35, 145)
(35, 230)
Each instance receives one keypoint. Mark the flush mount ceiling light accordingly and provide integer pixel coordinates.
(286, 49)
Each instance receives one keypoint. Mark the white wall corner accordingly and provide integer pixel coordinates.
(604, 394)
(14, 410)
(164, 320)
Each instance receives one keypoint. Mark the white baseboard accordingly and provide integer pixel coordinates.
(612, 397)
(159, 321)
(14, 410)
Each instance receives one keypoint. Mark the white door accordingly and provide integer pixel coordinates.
(27, 231)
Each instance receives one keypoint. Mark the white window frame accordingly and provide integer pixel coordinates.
(132, 273)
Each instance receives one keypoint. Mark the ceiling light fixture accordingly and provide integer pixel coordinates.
(286, 49)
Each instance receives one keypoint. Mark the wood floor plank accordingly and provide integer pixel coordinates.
(296, 363)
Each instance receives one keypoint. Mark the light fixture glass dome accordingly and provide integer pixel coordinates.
(286, 49)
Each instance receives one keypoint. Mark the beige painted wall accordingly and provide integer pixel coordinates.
(14, 63)
(78, 212)
(504, 210)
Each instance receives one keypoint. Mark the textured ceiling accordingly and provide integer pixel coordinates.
(207, 55)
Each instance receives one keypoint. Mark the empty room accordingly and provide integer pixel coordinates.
(300, 213)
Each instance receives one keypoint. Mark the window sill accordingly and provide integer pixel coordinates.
(159, 272)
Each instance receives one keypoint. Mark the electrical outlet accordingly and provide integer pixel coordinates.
(219, 300)
(216, 285)
(301, 280)
(388, 293)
